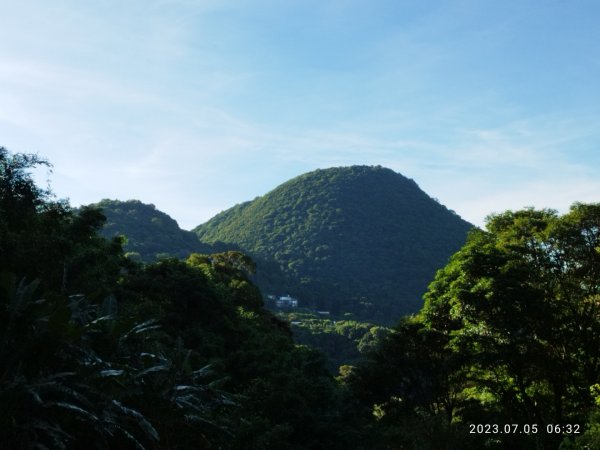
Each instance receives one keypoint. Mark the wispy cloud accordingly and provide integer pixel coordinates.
(196, 105)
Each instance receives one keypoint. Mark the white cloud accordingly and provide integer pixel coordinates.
(157, 102)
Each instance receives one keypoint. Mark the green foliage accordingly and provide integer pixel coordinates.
(508, 334)
(358, 239)
(74, 375)
(150, 234)
(344, 342)
(590, 437)
(43, 238)
(99, 351)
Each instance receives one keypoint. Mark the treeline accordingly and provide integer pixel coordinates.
(100, 351)
(360, 239)
(150, 234)
(506, 350)
(343, 341)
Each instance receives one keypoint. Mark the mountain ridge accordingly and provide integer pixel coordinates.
(318, 233)
(149, 232)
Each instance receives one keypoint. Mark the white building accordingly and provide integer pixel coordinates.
(286, 302)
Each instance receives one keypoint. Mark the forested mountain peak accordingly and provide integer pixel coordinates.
(358, 239)
(150, 233)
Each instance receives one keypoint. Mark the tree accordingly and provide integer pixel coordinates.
(522, 301)
(19, 195)
(77, 367)
(44, 238)
(409, 382)
(516, 315)
(25, 210)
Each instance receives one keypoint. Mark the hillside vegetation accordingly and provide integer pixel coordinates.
(360, 239)
(149, 233)
(505, 353)
(100, 351)
(344, 342)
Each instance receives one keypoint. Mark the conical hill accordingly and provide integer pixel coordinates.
(361, 240)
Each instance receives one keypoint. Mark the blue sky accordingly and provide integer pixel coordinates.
(195, 105)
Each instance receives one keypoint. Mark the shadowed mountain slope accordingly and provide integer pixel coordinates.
(364, 240)
(149, 232)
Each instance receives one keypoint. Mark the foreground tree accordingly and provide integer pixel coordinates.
(98, 351)
(75, 371)
(42, 237)
(517, 314)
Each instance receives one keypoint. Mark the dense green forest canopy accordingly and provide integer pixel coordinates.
(100, 351)
(509, 334)
(149, 233)
(360, 239)
(343, 341)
